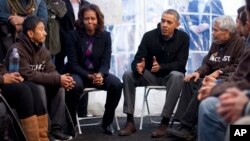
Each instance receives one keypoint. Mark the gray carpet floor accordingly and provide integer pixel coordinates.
(94, 133)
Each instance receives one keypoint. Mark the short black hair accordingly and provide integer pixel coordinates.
(30, 23)
(242, 15)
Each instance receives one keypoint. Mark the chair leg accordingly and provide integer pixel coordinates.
(143, 107)
(78, 124)
(117, 123)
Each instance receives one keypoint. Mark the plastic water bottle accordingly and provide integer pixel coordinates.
(14, 61)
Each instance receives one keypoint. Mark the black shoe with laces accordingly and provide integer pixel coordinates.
(58, 135)
(183, 132)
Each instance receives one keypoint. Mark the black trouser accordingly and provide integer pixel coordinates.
(187, 111)
(54, 101)
(112, 85)
(24, 98)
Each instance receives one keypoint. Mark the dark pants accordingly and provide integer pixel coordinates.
(187, 111)
(173, 82)
(112, 85)
(24, 98)
(53, 98)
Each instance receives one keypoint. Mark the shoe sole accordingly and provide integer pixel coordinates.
(127, 134)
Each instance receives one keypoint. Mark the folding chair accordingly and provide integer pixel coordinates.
(78, 119)
(16, 132)
(147, 90)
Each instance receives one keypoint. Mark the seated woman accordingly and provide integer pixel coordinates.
(89, 54)
(22, 96)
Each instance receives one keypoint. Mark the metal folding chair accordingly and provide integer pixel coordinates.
(147, 90)
(78, 119)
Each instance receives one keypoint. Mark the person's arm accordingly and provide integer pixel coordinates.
(42, 11)
(73, 57)
(5, 12)
(2, 71)
(141, 53)
(57, 7)
(235, 59)
(27, 72)
(205, 69)
(106, 56)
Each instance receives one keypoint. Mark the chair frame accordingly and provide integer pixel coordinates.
(78, 119)
(147, 90)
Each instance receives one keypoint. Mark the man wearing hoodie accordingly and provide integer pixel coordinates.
(36, 66)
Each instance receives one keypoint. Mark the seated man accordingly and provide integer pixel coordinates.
(36, 66)
(241, 22)
(215, 114)
(23, 97)
(160, 60)
(220, 62)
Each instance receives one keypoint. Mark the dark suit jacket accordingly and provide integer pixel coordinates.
(171, 54)
(68, 21)
(101, 53)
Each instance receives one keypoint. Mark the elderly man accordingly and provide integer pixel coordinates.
(215, 114)
(221, 61)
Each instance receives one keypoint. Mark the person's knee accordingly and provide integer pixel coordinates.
(208, 105)
(78, 83)
(177, 75)
(117, 84)
(61, 93)
(127, 76)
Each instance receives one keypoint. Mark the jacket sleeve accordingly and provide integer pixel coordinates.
(182, 56)
(2, 71)
(236, 59)
(57, 7)
(42, 11)
(240, 78)
(141, 53)
(205, 69)
(5, 12)
(106, 56)
(27, 72)
(74, 65)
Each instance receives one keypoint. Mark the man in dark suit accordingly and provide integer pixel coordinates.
(67, 23)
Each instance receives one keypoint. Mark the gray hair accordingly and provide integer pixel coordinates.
(173, 12)
(226, 23)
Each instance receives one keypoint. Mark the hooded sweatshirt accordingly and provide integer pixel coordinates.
(35, 62)
(2, 72)
(224, 57)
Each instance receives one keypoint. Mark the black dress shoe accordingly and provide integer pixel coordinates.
(109, 130)
(183, 132)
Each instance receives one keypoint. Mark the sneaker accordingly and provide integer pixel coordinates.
(58, 135)
(182, 132)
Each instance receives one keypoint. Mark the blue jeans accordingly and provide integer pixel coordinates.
(211, 126)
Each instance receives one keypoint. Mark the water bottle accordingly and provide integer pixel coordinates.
(14, 61)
